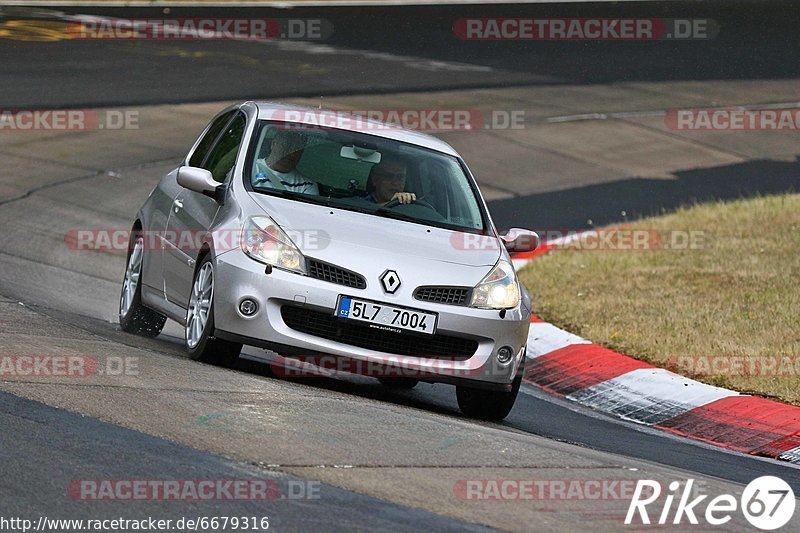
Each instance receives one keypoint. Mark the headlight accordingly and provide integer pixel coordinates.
(499, 289)
(264, 241)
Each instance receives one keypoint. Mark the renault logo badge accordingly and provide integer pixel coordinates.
(390, 281)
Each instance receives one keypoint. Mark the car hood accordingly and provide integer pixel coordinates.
(334, 234)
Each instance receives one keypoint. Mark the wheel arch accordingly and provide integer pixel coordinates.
(205, 250)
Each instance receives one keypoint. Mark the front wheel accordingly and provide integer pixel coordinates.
(134, 317)
(487, 404)
(199, 331)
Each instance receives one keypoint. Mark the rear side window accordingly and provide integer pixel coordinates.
(208, 139)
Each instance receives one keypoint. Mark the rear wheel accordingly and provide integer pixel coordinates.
(199, 330)
(487, 404)
(133, 316)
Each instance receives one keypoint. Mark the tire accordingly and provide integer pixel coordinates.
(134, 317)
(487, 404)
(199, 329)
(399, 383)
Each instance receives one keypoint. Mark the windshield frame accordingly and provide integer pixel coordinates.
(487, 229)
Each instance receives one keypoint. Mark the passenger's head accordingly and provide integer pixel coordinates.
(387, 178)
(286, 150)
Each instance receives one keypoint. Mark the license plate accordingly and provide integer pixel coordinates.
(386, 316)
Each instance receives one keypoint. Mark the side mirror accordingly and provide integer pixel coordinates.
(520, 240)
(198, 180)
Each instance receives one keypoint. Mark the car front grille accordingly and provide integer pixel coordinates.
(327, 326)
(443, 295)
(333, 274)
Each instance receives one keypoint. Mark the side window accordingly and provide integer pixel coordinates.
(223, 156)
(208, 139)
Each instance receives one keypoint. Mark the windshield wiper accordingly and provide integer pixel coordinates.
(292, 195)
(388, 213)
(278, 192)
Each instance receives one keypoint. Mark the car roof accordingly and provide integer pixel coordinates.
(349, 122)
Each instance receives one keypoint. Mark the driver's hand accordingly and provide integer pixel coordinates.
(404, 197)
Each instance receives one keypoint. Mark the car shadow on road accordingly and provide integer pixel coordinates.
(256, 362)
(354, 384)
(634, 198)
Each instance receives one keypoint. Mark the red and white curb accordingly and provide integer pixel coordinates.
(569, 366)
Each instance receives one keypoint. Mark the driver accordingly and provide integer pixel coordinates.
(387, 182)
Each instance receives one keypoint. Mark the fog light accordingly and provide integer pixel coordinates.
(504, 355)
(248, 307)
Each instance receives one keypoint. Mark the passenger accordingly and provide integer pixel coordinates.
(387, 182)
(279, 169)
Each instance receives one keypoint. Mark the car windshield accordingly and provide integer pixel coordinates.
(365, 173)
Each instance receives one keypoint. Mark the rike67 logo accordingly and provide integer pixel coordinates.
(767, 503)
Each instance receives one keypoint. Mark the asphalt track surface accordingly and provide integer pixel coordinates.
(415, 437)
(391, 49)
(57, 442)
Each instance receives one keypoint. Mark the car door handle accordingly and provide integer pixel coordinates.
(178, 205)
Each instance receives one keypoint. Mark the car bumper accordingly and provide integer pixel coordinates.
(239, 277)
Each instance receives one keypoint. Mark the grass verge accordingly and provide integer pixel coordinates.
(716, 296)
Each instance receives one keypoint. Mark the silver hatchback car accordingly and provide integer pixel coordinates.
(325, 236)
